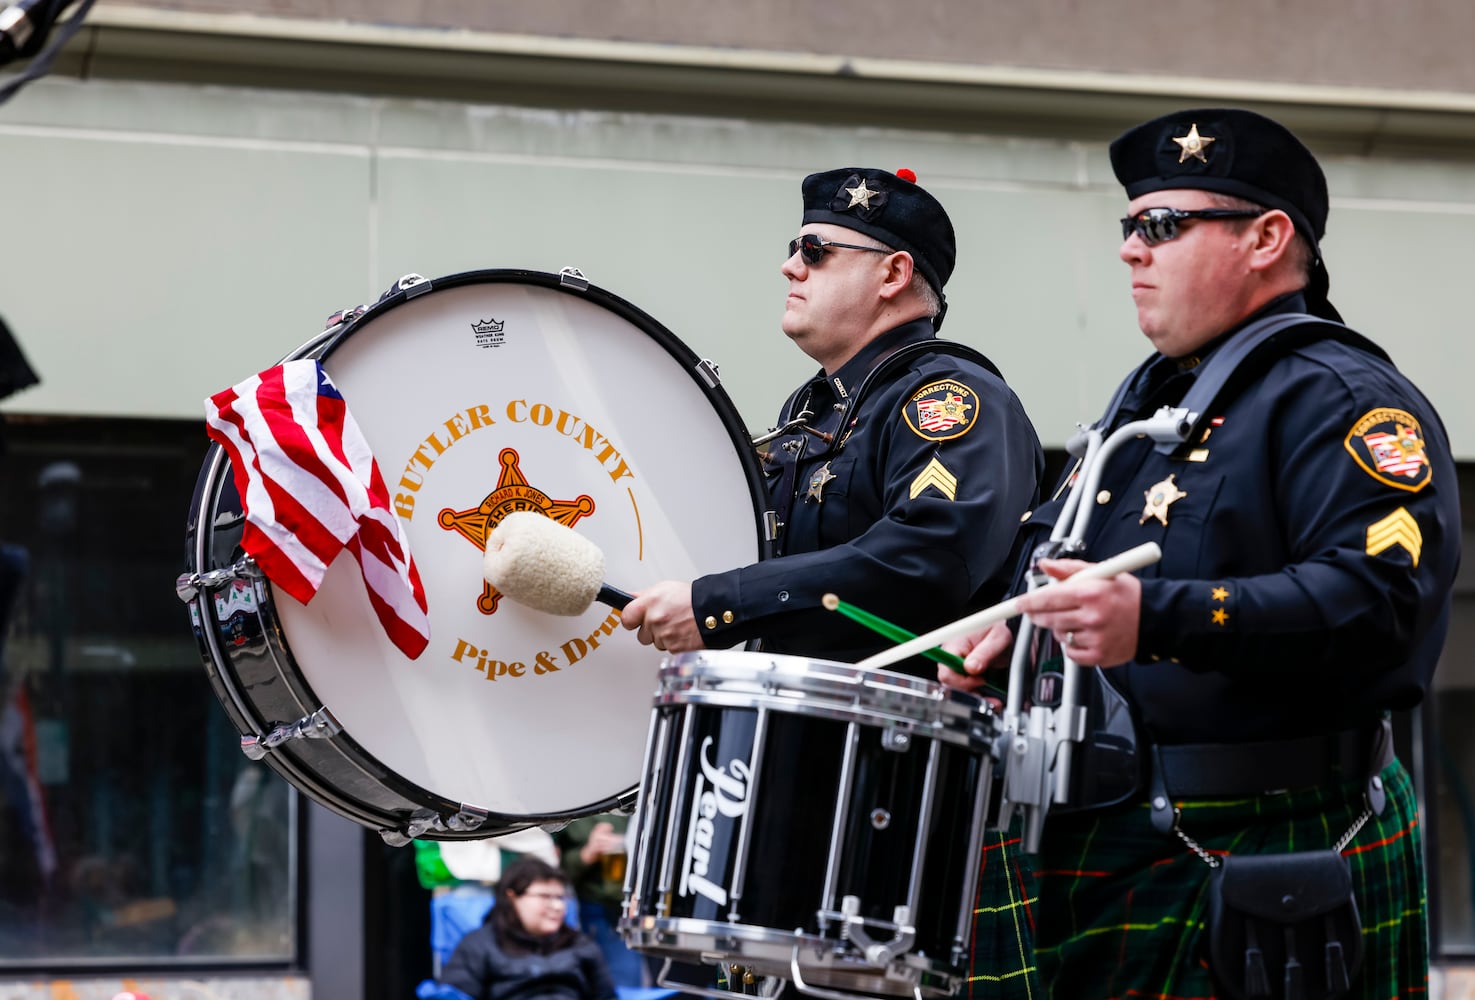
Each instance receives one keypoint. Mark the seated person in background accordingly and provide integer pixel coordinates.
(525, 950)
(594, 859)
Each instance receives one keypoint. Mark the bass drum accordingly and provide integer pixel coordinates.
(480, 394)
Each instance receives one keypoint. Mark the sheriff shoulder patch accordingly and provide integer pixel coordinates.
(1388, 445)
(941, 410)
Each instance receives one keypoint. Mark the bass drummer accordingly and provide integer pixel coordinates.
(898, 474)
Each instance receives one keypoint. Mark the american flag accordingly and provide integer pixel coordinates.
(310, 488)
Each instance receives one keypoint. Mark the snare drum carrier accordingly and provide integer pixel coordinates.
(480, 394)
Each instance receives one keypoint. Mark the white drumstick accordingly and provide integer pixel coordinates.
(547, 566)
(1135, 558)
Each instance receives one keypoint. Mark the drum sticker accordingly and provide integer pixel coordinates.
(234, 605)
(489, 333)
(941, 411)
(1388, 446)
(720, 801)
(512, 494)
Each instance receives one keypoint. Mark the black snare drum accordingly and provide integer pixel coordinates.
(811, 821)
(480, 394)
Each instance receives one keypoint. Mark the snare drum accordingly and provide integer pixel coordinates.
(480, 394)
(811, 821)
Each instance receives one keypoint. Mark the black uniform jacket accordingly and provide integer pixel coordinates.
(910, 512)
(1310, 541)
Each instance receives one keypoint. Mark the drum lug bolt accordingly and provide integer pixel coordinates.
(320, 725)
(896, 739)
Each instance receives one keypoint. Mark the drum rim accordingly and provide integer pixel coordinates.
(221, 668)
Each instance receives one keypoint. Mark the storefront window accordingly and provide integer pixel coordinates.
(132, 829)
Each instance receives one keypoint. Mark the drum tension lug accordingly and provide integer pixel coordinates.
(899, 740)
(412, 285)
(468, 819)
(189, 585)
(708, 372)
(572, 277)
(320, 725)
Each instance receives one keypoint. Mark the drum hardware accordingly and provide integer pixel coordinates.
(572, 277)
(707, 370)
(320, 725)
(189, 585)
(876, 952)
(1037, 742)
(777, 432)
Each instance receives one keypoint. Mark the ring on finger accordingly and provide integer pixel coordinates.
(1070, 638)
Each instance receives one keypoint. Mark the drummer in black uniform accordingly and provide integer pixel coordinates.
(905, 463)
(898, 480)
(1310, 530)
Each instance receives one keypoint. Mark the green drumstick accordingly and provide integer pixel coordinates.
(896, 633)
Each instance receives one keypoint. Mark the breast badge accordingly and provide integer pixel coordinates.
(1160, 497)
(941, 411)
(817, 482)
(1388, 445)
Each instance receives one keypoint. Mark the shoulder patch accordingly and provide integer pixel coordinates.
(1389, 446)
(941, 410)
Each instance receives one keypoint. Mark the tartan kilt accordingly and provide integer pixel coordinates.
(1001, 965)
(1123, 906)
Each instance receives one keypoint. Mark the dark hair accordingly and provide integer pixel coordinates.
(511, 935)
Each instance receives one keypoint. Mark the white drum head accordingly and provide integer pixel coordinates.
(488, 395)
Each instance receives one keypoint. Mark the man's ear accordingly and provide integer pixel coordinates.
(1273, 232)
(898, 277)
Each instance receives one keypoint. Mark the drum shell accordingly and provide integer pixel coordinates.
(781, 786)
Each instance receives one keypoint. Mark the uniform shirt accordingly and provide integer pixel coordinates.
(1310, 542)
(909, 512)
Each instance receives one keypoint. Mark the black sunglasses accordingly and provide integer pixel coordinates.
(813, 248)
(1159, 225)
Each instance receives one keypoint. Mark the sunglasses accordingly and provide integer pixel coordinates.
(1159, 225)
(813, 248)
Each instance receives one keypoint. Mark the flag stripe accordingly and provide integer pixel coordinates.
(309, 487)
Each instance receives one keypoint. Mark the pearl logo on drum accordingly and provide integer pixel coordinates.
(719, 793)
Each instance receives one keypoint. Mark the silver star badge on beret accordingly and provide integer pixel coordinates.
(1193, 145)
(861, 195)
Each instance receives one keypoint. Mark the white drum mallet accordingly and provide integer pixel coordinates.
(547, 566)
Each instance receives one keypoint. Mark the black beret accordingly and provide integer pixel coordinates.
(1234, 152)
(888, 208)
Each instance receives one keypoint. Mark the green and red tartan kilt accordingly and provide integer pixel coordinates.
(1002, 963)
(1122, 907)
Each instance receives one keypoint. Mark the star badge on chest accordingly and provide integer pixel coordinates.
(1160, 497)
(817, 482)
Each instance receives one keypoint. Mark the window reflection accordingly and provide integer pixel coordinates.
(131, 827)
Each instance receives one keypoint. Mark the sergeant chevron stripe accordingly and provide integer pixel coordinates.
(936, 474)
(1398, 528)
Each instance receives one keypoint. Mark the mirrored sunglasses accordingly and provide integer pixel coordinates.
(813, 248)
(1159, 225)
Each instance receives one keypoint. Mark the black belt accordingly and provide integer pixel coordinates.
(1195, 770)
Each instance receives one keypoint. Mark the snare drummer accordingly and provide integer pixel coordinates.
(900, 477)
(1310, 541)
(905, 462)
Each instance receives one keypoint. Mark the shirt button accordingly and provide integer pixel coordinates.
(1104, 497)
(783, 595)
(727, 617)
(1026, 516)
(710, 622)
